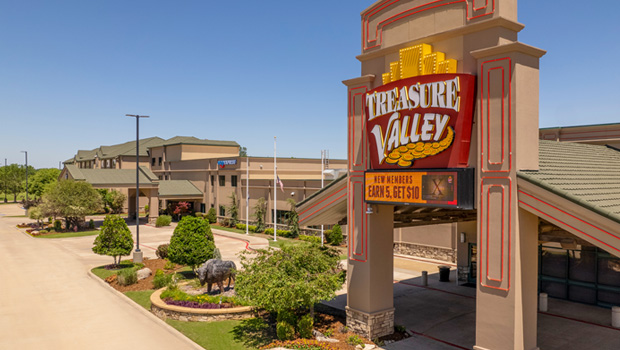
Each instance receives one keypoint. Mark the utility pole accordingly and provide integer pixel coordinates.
(137, 255)
(5, 176)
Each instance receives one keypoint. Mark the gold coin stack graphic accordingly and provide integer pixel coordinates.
(405, 155)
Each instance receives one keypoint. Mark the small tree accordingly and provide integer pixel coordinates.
(72, 200)
(212, 216)
(115, 200)
(35, 214)
(293, 278)
(260, 209)
(114, 239)
(336, 236)
(233, 210)
(41, 179)
(293, 218)
(191, 243)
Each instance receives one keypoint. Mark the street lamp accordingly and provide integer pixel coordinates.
(137, 255)
(25, 205)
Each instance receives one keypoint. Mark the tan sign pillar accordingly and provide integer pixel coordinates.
(370, 298)
(507, 121)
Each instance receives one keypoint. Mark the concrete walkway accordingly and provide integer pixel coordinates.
(49, 301)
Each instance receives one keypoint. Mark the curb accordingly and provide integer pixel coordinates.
(242, 237)
(146, 313)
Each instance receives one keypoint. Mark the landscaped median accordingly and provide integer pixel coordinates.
(180, 313)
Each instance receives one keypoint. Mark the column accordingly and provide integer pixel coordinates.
(507, 121)
(370, 293)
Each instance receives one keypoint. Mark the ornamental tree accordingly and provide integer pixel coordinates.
(114, 239)
(260, 209)
(290, 279)
(191, 243)
(72, 200)
(292, 219)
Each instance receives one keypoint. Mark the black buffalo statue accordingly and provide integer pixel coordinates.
(216, 271)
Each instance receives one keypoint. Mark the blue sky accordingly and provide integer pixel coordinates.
(245, 71)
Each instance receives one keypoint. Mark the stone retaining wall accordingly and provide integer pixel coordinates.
(165, 311)
(423, 251)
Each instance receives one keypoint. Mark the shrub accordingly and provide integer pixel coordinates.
(212, 216)
(127, 277)
(252, 228)
(91, 224)
(286, 316)
(57, 225)
(198, 214)
(114, 239)
(304, 326)
(285, 233)
(162, 251)
(217, 254)
(43, 231)
(285, 331)
(312, 239)
(163, 220)
(336, 236)
(169, 265)
(191, 243)
(355, 340)
(269, 231)
(240, 226)
(328, 236)
(161, 279)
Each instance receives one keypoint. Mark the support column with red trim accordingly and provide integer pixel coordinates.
(370, 290)
(507, 120)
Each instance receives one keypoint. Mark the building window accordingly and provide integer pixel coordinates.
(233, 180)
(222, 210)
(212, 180)
(222, 180)
(159, 161)
(203, 208)
(166, 177)
(153, 161)
(160, 177)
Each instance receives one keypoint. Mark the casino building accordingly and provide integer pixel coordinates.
(444, 158)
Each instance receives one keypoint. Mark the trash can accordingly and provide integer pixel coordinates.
(444, 273)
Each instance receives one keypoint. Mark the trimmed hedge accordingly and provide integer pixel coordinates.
(313, 239)
(163, 220)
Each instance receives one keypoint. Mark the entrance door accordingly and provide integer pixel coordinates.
(473, 263)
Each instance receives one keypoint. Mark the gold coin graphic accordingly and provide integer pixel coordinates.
(404, 163)
(402, 149)
(407, 156)
(391, 161)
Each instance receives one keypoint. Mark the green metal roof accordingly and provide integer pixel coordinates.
(112, 177)
(177, 188)
(588, 175)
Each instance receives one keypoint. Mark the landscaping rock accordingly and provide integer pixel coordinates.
(144, 273)
(321, 337)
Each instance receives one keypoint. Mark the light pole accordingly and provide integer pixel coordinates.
(25, 205)
(5, 176)
(137, 255)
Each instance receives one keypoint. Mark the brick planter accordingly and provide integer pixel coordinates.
(164, 311)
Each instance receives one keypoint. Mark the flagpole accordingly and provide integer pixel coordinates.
(247, 195)
(275, 191)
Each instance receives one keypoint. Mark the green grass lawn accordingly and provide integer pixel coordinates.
(69, 234)
(229, 229)
(141, 297)
(220, 335)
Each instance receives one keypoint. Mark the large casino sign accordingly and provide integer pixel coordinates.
(420, 120)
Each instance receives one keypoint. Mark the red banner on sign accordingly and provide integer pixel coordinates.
(421, 122)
